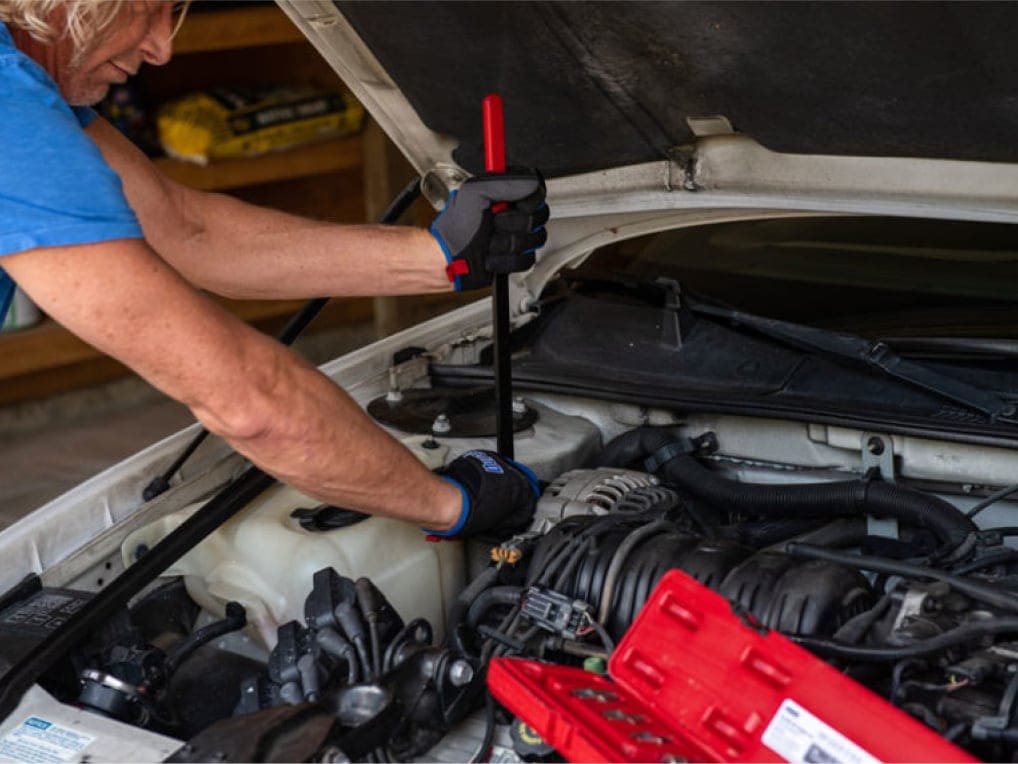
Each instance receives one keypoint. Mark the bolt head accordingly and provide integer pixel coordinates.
(461, 673)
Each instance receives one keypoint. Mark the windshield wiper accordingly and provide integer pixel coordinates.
(873, 354)
(955, 348)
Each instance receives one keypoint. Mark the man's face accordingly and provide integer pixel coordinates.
(141, 33)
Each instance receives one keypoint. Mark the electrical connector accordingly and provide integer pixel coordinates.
(555, 612)
(501, 555)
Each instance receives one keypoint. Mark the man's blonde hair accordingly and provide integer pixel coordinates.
(85, 20)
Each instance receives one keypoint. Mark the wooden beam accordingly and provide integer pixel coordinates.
(242, 27)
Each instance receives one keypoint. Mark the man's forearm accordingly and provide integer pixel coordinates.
(273, 406)
(238, 250)
(321, 442)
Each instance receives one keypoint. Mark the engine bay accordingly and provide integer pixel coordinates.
(305, 632)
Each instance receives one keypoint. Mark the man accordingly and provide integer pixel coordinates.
(114, 251)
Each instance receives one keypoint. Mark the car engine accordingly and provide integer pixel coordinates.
(299, 632)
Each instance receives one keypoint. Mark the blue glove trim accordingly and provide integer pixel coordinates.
(464, 512)
(445, 251)
(441, 242)
(535, 483)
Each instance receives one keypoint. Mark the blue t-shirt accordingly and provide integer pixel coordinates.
(55, 187)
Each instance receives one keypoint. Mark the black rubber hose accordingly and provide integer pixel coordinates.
(952, 638)
(991, 595)
(849, 497)
(496, 595)
(460, 606)
(500, 636)
(843, 532)
(855, 628)
(998, 558)
(236, 618)
(634, 446)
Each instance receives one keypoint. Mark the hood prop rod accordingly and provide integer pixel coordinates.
(494, 161)
(293, 329)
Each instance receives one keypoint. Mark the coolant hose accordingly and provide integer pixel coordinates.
(496, 595)
(460, 606)
(848, 497)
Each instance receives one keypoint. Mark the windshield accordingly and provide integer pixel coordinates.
(871, 276)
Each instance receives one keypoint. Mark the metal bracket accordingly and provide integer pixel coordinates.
(878, 454)
(671, 327)
(405, 375)
(681, 169)
(439, 181)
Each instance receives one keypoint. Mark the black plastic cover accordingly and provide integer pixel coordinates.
(26, 622)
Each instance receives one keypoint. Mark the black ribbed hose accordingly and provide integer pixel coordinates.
(849, 497)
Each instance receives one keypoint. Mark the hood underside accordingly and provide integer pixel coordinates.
(593, 85)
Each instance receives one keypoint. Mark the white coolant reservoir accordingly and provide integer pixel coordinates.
(263, 559)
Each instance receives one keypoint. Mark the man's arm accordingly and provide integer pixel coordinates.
(270, 405)
(239, 250)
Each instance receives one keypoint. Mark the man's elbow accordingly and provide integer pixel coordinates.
(236, 424)
(247, 411)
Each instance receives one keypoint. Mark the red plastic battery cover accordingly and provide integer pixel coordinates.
(695, 681)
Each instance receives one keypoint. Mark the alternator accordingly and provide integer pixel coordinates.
(587, 492)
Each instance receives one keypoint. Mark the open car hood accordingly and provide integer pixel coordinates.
(655, 114)
(596, 85)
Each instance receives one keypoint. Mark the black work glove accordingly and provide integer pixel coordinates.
(499, 495)
(478, 242)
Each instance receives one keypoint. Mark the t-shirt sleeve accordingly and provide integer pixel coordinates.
(55, 187)
(84, 115)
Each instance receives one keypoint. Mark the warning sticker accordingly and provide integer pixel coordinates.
(796, 735)
(38, 741)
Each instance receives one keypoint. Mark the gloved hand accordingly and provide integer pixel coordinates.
(477, 242)
(499, 495)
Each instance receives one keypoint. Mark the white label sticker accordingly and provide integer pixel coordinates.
(796, 735)
(38, 741)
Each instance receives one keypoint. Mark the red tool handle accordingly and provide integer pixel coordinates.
(494, 138)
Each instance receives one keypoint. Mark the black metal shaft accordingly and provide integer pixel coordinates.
(503, 367)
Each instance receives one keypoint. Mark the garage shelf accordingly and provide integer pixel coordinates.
(316, 159)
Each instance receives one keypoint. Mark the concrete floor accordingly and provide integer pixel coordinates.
(41, 464)
(50, 446)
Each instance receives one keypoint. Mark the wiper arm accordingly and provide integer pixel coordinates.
(955, 347)
(876, 355)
